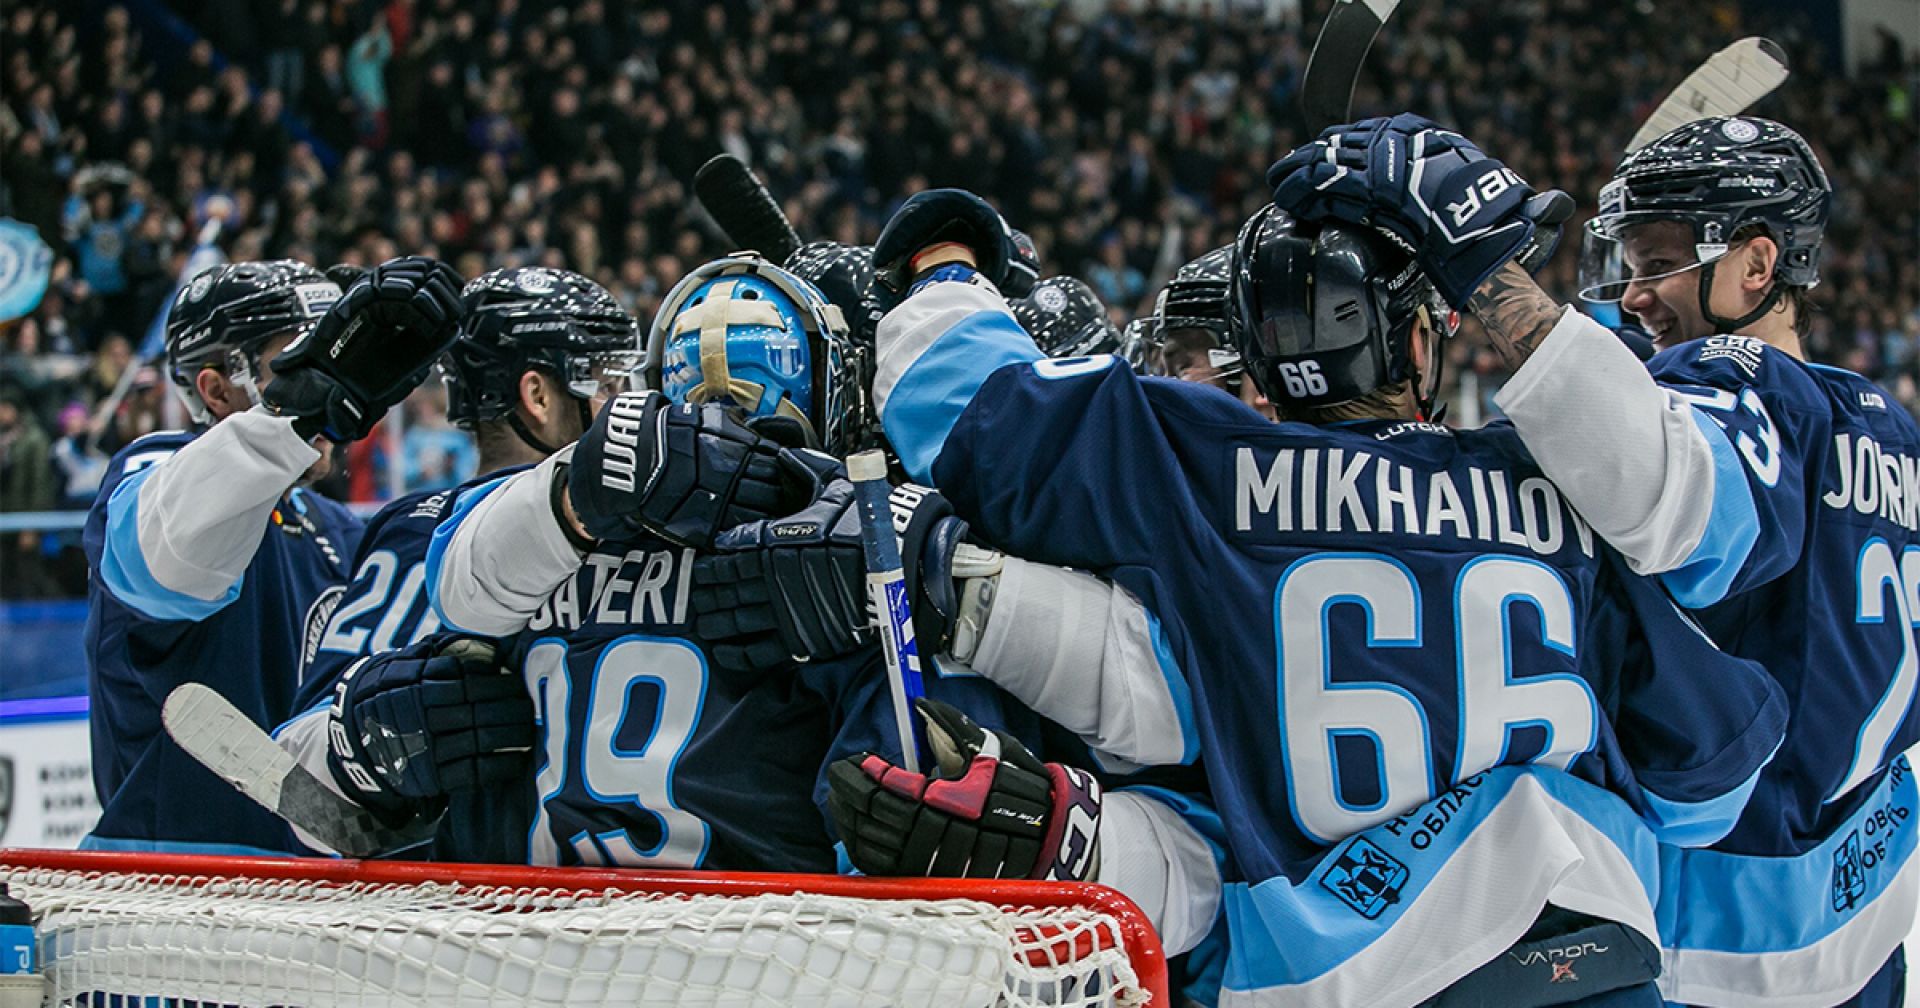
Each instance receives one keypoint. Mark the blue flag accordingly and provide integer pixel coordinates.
(25, 265)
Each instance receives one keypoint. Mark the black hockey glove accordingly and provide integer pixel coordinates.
(781, 590)
(373, 347)
(1023, 270)
(1461, 213)
(682, 472)
(933, 217)
(994, 812)
(409, 727)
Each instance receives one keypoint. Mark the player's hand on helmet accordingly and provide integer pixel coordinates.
(1461, 213)
(679, 471)
(780, 590)
(371, 348)
(937, 217)
(992, 810)
(409, 727)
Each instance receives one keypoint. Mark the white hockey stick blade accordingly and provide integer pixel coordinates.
(213, 731)
(1728, 83)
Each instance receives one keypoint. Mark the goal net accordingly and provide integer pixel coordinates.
(167, 930)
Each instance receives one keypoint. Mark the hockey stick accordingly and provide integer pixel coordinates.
(887, 590)
(213, 731)
(741, 205)
(1728, 83)
(1326, 89)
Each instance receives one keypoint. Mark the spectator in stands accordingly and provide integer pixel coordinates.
(26, 484)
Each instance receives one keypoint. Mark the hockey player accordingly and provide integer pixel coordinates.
(1397, 636)
(1775, 497)
(656, 747)
(1186, 336)
(204, 552)
(539, 351)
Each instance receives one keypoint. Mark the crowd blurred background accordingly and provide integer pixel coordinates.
(1123, 138)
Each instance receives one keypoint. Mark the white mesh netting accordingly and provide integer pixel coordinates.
(127, 938)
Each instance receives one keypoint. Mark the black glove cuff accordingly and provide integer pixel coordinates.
(556, 491)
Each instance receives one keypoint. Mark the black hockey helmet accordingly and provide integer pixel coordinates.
(842, 273)
(1193, 301)
(1322, 314)
(1066, 318)
(1718, 176)
(532, 317)
(223, 316)
(1023, 270)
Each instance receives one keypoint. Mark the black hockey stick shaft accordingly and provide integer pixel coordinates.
(739, 202)
(1326, 91)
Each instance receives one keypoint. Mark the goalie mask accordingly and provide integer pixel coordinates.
(1717, 177)
(741, 330)
(226, 313)
(1323, 315)
(554, 321)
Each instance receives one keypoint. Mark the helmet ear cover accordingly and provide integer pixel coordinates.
(1324, 315)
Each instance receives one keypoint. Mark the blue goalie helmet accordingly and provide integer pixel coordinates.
(744, 331)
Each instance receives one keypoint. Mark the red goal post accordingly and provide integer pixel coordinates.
(317, 933)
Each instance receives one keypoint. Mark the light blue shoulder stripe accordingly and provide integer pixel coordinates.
(1721, 902)
(1699, 823)
(443, 534)
(1177, 689)
(92, 842)
(1286, 933)
(124, 571)
(1733, 526)
(937, 386)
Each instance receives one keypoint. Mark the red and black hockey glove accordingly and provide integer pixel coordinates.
(994, 811)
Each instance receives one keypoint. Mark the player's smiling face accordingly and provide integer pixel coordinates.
(1668, 301)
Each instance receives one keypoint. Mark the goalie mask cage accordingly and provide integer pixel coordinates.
(169, 930)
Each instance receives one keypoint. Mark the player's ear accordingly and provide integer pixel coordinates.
(1756, 263)
(535, 398)
(213, 389)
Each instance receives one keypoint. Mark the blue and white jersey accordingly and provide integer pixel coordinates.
(1797, 546)
(383, 608)
(646, 757)
(197, 579)
(1396, 637)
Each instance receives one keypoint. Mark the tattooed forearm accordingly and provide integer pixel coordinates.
(1517, 314)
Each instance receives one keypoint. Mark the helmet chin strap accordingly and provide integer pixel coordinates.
(1726, 326)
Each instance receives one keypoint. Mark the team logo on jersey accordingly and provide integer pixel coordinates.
(319, 614)
(1849, 874)
(1365, 878)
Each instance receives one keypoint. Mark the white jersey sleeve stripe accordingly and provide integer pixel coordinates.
(1630, 452)
(501, 552)
(182, 531)
(1085, 653)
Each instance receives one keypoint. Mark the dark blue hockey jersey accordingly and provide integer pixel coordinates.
(385, 607)
(1395, 635)
(1810, 565)
(144, 638)
(648, 759)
